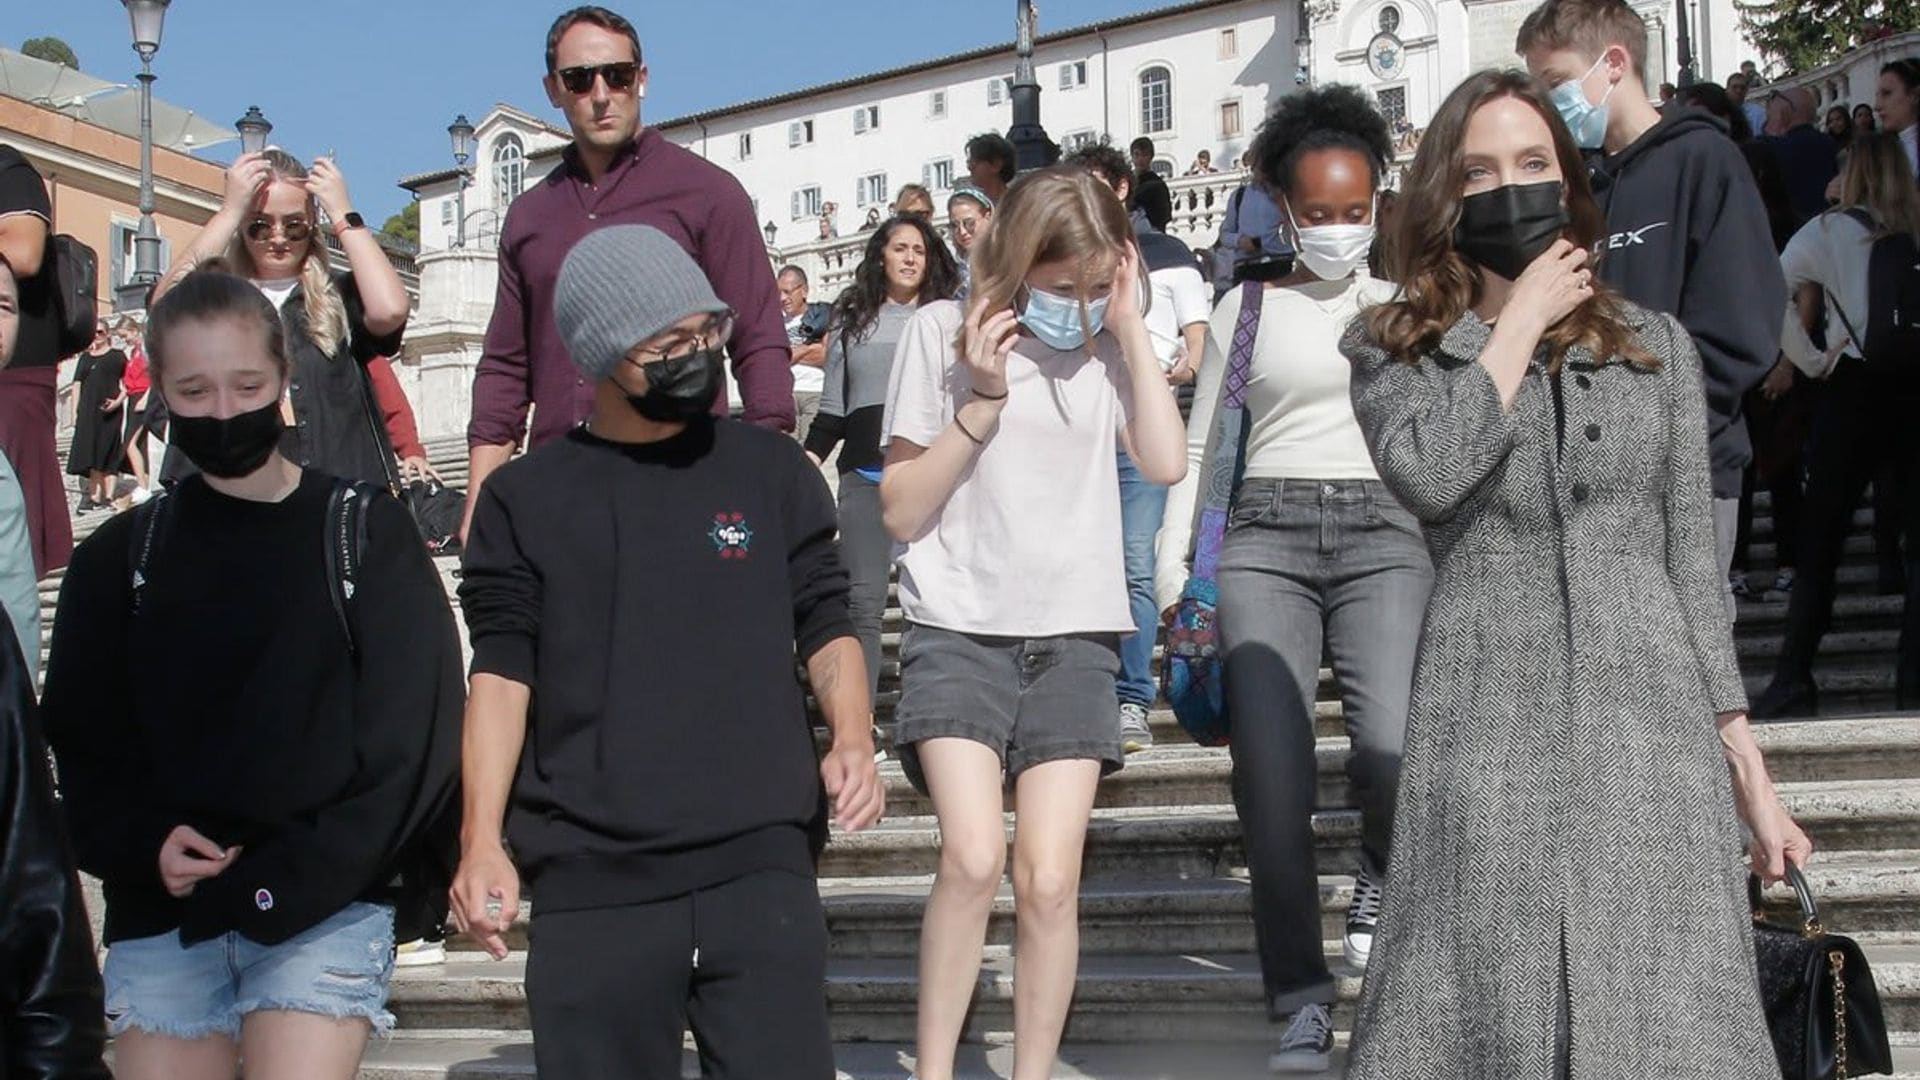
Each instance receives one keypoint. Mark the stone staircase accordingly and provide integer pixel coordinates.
(1169, 985)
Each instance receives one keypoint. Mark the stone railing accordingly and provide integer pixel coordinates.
(1850, 80)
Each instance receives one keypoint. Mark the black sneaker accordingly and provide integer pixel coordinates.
(1363, 918)
(1785, 699)
(1306, 1042)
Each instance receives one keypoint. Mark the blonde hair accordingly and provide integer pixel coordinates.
(1878, 178)
(324, 308)
(1063, 212)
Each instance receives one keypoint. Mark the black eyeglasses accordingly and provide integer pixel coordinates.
(712, 334)
(294, 230)
(579, 80)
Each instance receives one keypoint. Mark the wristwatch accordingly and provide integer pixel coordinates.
(350, 221)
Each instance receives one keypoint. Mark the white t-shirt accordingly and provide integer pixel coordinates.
(1181, 297)
(1831, 251)
(1298, 395)
(806, 379)
(277, 291)
(1028, 545)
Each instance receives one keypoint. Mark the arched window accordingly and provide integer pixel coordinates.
(509, 170)
(1156, 100)
(1389, 20)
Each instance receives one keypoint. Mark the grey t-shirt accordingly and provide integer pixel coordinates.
(858, 370)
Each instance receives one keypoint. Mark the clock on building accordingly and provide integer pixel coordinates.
(1386, 57)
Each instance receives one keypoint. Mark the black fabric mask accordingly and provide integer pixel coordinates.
(229, 447)
(679, 389)
(1505, 229)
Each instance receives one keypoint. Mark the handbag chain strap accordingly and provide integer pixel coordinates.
(1837, 962)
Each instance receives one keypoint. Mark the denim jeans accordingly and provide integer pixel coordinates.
(1311, 567)
(1142, 505)
(868, 552)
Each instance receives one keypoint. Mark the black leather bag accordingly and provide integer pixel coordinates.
(1822, 1006)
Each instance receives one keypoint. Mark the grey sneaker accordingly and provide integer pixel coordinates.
(1306, 1042)
(1134, 732)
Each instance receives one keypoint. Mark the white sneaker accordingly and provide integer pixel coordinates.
(1305, 1044)
(140, 495)
(1363, 918)
(419, 953)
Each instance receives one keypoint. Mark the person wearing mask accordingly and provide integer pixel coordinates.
(656, 570)
(96, 454)
(1285, 595)
(1682, 218)
(19, 584)
(1152, 201)
(617, 171)
(1897, 101)
(913, 201)
(806, 335)
(1839, 126)
(268, 228)
(1577, 657)
(1176, 318)
(990, 164)
(1808, 157)
(1005, 684)
(253, 723)
(1862, 420)
(1863, 121)
(968, 212)
(905, 266)
(27, 417)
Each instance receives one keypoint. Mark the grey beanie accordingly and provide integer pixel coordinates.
(620, 286)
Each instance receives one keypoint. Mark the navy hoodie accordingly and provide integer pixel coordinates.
(1688, 235)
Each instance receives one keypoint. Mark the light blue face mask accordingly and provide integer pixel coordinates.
(1055, 319)
(1587, 121)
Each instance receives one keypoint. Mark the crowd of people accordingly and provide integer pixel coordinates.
(1487, 452)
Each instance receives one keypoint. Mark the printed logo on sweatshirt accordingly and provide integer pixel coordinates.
(731, 536)
(263, 900)
(1630, 238)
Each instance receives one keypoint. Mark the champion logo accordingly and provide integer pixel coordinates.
(263, 900)
(732, 537)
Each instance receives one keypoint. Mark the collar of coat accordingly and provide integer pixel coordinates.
(1467, 338)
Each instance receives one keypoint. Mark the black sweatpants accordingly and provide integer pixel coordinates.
(744, 964)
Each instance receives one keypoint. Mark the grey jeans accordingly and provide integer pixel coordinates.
(868, 553)
(1311, 567)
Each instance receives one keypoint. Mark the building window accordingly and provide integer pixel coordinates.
(1229, 119)
(509, 170)
(937, 175)
(806, 202)
(800, 133)
(1156, 100)
(1074, 140)
(746, 145)
(1229, 43)
(937, 105)
(1393, 103)
(1389, 20)
(871, 190)
(999, 90)
(1074, 75)
(447, 211)
(866, 118)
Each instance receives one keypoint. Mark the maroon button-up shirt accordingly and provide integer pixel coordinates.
(672, 189)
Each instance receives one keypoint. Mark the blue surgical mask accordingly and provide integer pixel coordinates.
(1587, 121)
(1055, 319)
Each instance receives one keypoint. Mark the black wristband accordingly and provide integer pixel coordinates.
(977, 440)
(1001, 396)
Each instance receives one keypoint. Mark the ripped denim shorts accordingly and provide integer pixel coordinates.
(340, 968)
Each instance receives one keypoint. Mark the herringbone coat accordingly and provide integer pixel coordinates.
(1566, 828)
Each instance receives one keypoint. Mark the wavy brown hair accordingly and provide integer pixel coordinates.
(1438, 284)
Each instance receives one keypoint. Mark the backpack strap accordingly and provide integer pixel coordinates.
(346, 545)
(1866, 222)
(1226, 460)
(149, 519)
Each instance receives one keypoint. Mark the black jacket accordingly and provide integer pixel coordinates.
(52, 1019)
(1688, 235)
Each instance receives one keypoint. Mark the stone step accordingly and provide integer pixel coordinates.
(1204, 997)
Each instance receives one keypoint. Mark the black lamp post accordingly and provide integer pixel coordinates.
(769, 230)
(1031, 147)
(148, 19)
(1685, 77)
(254, 129)
(461, 132)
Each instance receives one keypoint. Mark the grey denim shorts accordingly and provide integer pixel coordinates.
(1031, 700)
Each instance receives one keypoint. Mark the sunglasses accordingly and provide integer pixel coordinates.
(579, 80)
(293, 230)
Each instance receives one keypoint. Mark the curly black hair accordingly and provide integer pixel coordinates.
(1328, 117)
(858, 306)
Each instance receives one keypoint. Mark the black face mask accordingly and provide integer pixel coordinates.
(1505, 229)
(228, 448)
(679, 389)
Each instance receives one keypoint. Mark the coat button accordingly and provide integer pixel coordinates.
(1582, 382)
(1580, 492)
(1593, 432)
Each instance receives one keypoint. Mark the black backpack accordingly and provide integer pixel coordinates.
(76, 300)
(346, 543)
(1893, 299)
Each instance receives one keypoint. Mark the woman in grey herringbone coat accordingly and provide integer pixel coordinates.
(1565, 897)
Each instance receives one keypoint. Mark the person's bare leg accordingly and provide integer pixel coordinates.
(1052, 803)
(276, 1045)
(964, 780)
(139, 1055)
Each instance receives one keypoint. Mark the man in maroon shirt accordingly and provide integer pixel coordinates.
(617, 172)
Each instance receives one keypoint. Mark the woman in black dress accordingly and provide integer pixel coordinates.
(97, 452)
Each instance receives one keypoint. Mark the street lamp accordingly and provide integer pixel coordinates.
(148, 18)
(1303, 47)
(1032, 149)
(254, 129)
(769, 230)
(1685, 77)
(461, 132)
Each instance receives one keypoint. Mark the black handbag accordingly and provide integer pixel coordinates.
(1822, 1006)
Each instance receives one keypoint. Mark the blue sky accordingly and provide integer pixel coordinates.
(379, 80)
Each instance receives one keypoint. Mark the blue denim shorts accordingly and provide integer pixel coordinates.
(340, 968)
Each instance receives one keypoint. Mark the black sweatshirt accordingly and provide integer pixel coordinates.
(653, 596)
(232, 703)
(1689, 236)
